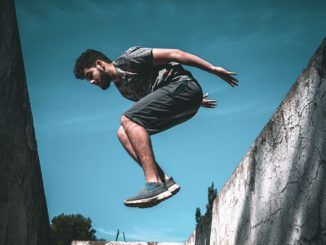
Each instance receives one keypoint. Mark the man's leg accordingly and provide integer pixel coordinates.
(123, 137)
(141, 144)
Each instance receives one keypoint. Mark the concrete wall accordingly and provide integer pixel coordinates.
(23, 211)
(277, 194)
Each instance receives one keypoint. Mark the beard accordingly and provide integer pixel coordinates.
(105, 80)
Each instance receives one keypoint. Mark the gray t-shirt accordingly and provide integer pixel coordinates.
(140, 77)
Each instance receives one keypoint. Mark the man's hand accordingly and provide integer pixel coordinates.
(225, 75)
(208, 103)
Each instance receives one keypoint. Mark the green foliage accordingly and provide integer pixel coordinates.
(66, 228)
(198, 215)
(212, 193)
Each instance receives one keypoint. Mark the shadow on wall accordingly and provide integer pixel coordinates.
(290, 153)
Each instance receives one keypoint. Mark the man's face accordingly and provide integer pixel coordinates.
(97, 77)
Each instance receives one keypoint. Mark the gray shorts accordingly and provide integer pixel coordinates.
(167, 106)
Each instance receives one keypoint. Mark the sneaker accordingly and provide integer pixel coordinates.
(172, 186)
(151, 195)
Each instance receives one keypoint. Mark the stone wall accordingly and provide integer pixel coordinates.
(277, 194)
(23, 212)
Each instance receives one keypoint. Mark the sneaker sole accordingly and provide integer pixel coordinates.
(149, 202)
(174, 189)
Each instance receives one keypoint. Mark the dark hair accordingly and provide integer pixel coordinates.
(87, 59)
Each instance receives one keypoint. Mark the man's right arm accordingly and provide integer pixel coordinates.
(163, 56)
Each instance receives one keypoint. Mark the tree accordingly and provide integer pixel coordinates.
(212, 193)
(198, 215)
(66, 228)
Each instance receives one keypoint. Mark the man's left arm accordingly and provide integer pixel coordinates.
(163, 56)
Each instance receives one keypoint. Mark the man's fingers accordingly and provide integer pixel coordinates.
(233, 83)
(209, 103)
(231, 80)
(208, 106)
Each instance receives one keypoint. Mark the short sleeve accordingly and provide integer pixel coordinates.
(140, 57)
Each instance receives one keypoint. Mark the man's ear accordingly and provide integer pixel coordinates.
(100, 64)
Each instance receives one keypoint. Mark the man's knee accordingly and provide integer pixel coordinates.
(124, 120)
(121, 133)
(127, 123)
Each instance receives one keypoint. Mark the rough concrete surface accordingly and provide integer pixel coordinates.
(23, 212)
(277, 194)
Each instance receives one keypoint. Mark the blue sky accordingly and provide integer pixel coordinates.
(85, 169)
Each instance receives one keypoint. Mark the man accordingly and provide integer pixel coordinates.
(165, 94)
